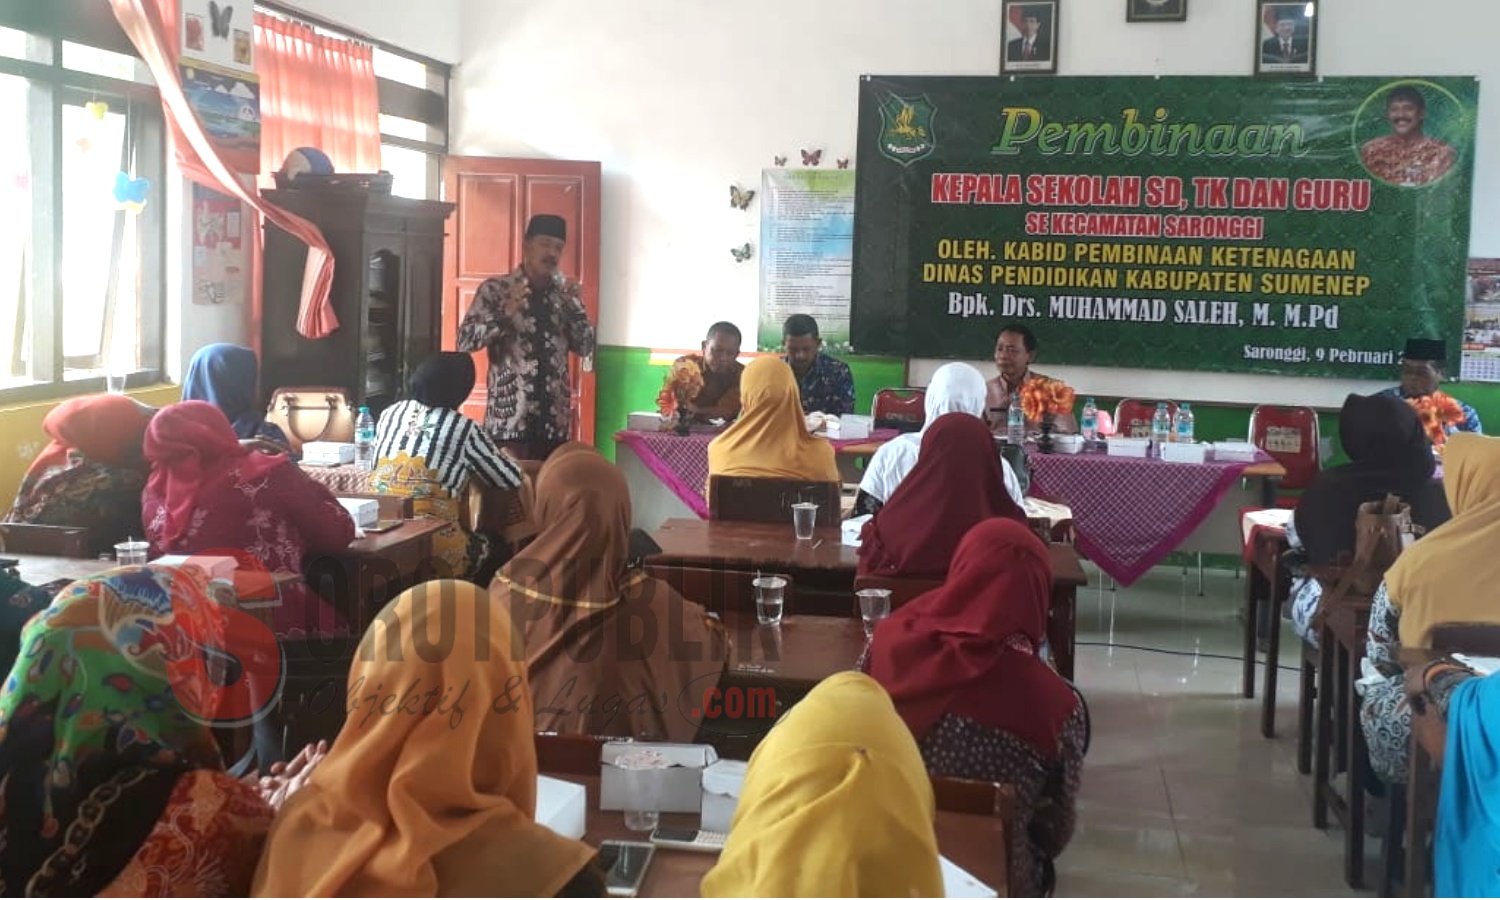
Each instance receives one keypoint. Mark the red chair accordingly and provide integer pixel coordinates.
(1290, 435)
(900, 408)
(1133, 417)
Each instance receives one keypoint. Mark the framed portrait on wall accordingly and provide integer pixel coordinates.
(1028, 40)
(1156, 10)
(1286, 38)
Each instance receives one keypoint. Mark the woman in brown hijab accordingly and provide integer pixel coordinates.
(609, 650)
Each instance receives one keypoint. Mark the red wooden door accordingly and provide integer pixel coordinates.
(495, 198)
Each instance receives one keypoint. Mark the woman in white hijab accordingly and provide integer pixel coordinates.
(956, 387)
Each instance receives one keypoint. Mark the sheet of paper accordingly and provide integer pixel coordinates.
(958, 883)
(1484, 665)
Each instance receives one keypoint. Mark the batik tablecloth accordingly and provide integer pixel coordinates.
(1130, 513)
(681, 461)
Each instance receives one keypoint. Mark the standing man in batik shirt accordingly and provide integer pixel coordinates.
(529, 321)
(1407, 157)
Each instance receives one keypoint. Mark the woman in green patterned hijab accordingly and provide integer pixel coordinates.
(108, 783)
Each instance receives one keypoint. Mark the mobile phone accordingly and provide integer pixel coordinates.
(689, 839)
(624, 864)
(384, 525)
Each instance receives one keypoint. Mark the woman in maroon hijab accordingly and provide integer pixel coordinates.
(960, 662)
(956, 484)
(209, 495)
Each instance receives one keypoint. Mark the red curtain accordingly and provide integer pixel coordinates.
(315, 91)
(151, 26)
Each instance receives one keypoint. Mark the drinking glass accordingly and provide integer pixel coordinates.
(804, 518)
(131, 553)
(643, 772)
(874, 605)
(770, 597)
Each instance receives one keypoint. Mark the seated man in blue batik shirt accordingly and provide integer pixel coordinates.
(1421, 373)
(826, 384)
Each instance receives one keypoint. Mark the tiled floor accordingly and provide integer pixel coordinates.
(1181, 795)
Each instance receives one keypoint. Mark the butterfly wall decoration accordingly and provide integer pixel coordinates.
(741, 253)
(780, 160)
(843, 162)
(130, 194)
(740, 199)
(219, 18)
(812, 157)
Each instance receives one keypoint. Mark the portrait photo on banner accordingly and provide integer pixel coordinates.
(1407, 132)
(1286, 38)
(1156, 10)
(1029, 39)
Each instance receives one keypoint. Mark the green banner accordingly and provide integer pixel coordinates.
(1217, 224)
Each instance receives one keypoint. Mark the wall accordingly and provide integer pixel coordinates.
(680, 98)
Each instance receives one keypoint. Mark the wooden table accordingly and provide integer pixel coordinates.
(798, 653)
(713, 563)
(363, 579)
(1340, 736)
(1269, 473)
(42, 569)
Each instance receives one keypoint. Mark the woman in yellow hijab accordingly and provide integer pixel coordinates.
(1444, 577)
(770, 439)
(836, 803)
(430, 789)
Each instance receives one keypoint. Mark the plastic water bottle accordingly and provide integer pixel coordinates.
(1182, 425)
(1015, 421)
(1090, 424)
(1161, 428)
(364, 440)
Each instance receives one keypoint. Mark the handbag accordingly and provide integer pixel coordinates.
(308, 414)
(1382, 530)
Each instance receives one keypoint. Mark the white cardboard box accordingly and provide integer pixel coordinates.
(328, 453)
(643, 421)
(1184, 453)
(1125, 446)
(1234, 451)
(221, 567)
(363, 511)
(1068, 443)
(722, 783)
(853, 428)
(562, 806)
(683, 788)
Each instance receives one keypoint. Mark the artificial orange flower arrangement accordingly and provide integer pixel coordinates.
(681, 385)
(1041, 397)
(1437, 410)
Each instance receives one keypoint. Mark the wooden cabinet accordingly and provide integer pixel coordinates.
(387, 294)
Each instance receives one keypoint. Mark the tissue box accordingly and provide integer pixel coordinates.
(722, 782)
(363, 512)
(643, 421)
(1184, 453)
(221, 567)
(1234, 451)
(850, 530)
(855, 428)
(1126, 446)
(328, 453)
(562, 806)
(1068, 443)
(682, 788)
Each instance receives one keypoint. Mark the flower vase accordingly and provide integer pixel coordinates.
(684, 424)
(1044, 443)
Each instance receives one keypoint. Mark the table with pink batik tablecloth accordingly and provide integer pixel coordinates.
(1129, 513)
(681, 461)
